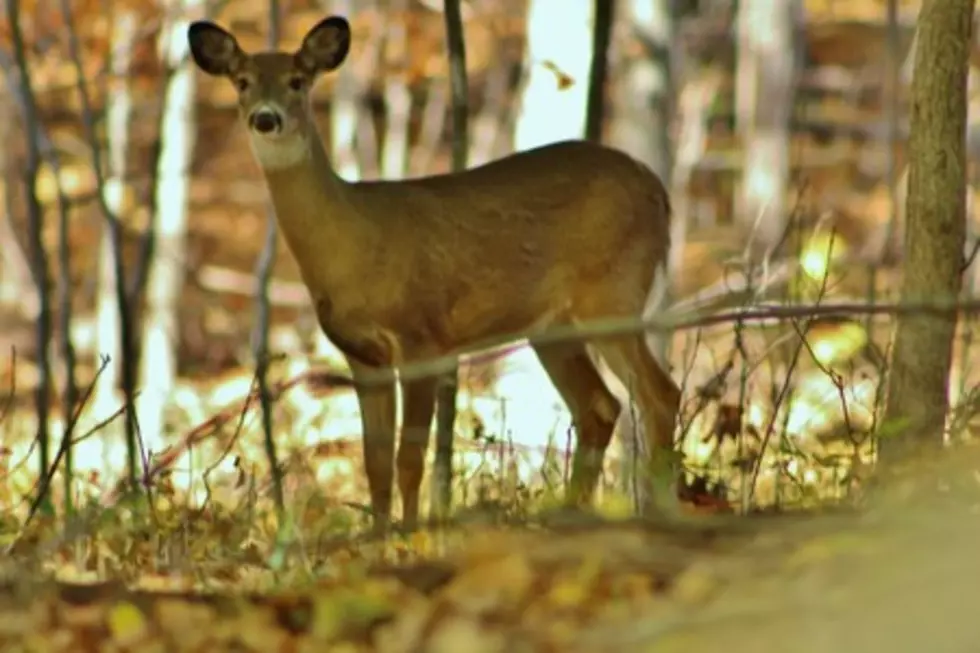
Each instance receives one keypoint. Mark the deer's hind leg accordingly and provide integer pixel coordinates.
(594, 410)
(658, 399)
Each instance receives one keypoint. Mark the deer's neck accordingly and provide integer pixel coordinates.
(313, 209)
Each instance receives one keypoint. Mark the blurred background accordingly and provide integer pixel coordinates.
(779, 126)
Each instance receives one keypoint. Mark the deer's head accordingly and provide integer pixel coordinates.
(273, 87)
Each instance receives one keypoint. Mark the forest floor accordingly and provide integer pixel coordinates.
(893, 568)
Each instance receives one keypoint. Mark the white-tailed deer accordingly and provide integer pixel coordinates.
(403, 270)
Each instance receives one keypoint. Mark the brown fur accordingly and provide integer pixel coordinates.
(403, 270)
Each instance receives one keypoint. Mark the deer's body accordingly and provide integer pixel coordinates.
(403, 270)
(452, 259)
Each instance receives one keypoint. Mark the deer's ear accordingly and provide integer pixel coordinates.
(325, 46)
(214, 50)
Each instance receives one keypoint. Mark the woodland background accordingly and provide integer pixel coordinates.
(780, 126)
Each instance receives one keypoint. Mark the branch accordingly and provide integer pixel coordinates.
(672, 320)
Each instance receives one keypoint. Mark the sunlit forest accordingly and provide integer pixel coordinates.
(345, 348)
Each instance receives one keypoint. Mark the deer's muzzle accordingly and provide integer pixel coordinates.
(265, 121)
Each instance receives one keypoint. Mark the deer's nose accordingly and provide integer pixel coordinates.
(265, 121)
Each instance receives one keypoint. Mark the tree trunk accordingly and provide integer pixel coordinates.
(398, 99)
(448, 388)
(105, 397)
(552, 108)
(934, 236)
(38, 256)
(166, 277)
(595, 113)
(16, 290)
(344, 112)
(642, 95)
(642, 109)
(767, 63)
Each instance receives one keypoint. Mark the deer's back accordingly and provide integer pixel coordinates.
(573, 200)
(504, 246)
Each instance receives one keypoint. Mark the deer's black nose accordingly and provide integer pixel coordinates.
(265, 121)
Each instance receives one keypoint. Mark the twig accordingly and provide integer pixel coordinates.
(205, 477)
(213, 423)
(780, 400)
(492, 348)
(102, 423)
(784, 391)
(66, 445)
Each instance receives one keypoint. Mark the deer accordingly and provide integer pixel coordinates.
(399, 271)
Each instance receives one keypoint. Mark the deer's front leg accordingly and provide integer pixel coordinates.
(418, 398)
(377, 404)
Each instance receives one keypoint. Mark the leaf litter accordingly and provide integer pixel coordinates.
(891, 574)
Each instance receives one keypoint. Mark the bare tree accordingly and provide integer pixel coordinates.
(935, 207)
(38, 255)
(398, 100)
(643, 89)
(431, 127)
(263, 310)
(115, 229)
(764, 82)
(448, 388)
(15, 286)
(108, 320)
(344, 112)
(29, 306)
(489, 125)
(16, 290)
(640, 125)
(70, 393)
(166, 274)
(595, 112)
(554, 100)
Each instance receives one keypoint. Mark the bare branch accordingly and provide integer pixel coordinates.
(493, 348)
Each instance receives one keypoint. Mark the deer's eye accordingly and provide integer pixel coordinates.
(242, 83)
(296, 83)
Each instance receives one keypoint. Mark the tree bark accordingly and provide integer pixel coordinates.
(935, 207)
(167, 271)
(643, 93)
(448, 388)
(595, 113)
(764, 83)
(398, 98)
(103, 449)
(553, 104)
